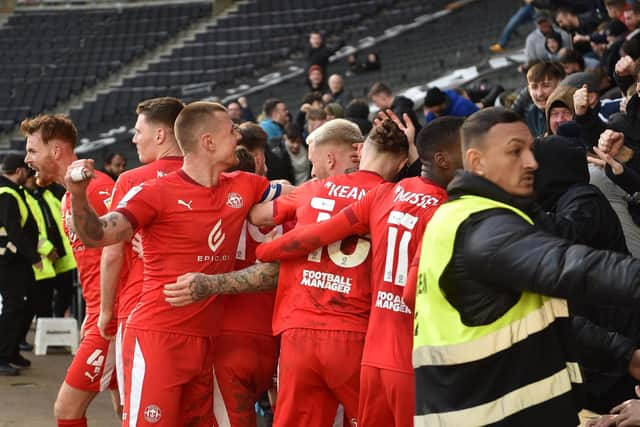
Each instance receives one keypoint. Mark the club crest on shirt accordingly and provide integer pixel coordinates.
(234, 200)
(152, 414)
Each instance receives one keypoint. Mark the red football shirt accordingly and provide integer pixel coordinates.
(88, 259)
(329, 290)
(133, 268)
(250, 312)
(396, 216)
(187, 227)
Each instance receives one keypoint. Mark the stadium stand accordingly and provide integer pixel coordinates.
(50, 55)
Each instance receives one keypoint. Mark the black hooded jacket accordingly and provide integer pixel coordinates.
(497, 255)
(583, 215)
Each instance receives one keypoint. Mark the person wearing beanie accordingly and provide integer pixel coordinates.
(315, 79)
(448, 103)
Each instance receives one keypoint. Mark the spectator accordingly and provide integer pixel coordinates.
(535, 45)
(553, 44)
(542, 79)
(298, 153)
(316, 117)
(254, 139)
(114, 164)
(559, 109)
(616, 32)
(247, 113)
(616, 8)
(318, 54)
(276, 116)
(336, 90)
(586, 103)
(571, 60)
(358, 112)
(372, 63)
(525, 14)
(315, 79)
(448, 103)
(355, 66)
(383, 98)
(334, 111)
(235, 111)
(631, 18)
(578, 25)
(309, 101)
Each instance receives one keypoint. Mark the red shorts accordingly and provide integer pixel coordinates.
(93, 366)
(119, 368)
(387, 398)
(243, 366)
(317, 371)
(168, 379)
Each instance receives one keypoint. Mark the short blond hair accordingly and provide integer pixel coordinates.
(191, 122)
(339, 131)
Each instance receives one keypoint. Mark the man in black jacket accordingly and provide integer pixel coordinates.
(18, 253)
(491, 310)
(381, 95)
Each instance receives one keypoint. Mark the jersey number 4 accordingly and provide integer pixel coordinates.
(339, 258)
(404, 223)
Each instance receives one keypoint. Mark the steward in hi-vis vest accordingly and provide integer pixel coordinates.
(493, 340)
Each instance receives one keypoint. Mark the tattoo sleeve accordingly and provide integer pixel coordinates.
(97, 231)
(257, 278)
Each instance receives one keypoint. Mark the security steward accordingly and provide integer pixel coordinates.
(18, 258)
(493, 340)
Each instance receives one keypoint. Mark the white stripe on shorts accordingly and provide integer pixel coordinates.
(219, 408)
(137, 379)
(119, 363)
(109, 366)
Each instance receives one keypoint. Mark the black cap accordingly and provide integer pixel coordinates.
(434, 97)
(12, 162)
(542, 16)
(581, 78)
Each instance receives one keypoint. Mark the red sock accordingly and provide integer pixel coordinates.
(80, 422)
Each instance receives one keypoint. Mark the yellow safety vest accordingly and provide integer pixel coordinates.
(444, 344)
(44, 245)
(66, 262)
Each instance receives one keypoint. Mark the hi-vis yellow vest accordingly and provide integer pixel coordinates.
(47, 270)
(44, 245)
(66, 262)
(444, 347)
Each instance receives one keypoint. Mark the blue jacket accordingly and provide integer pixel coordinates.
(273, 129)
(459, 106)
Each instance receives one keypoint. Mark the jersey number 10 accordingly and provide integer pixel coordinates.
(339, 258)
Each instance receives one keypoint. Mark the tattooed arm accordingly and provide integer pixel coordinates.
(94, 231)
(193, 287)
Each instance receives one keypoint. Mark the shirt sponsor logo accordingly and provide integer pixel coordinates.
(322, 280)
(390, 301)
(234, 200)
(152, 414)
(418, 199)
(216, 236)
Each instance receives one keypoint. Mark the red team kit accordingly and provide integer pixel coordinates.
(337, 322)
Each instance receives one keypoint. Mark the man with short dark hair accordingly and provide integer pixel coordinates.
(276, 116)
(235, 111)
(19, 257)
(448, 103)
(491, 295)
(382, 96)
(114, 164)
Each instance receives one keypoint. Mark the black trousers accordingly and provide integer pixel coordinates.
(63, 286)
(39, 303)
(15, 279)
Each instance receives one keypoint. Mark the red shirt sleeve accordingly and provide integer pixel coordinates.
(99, 195)
(120, 189)
(353, 219)
(284, 208)
(140, 205)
